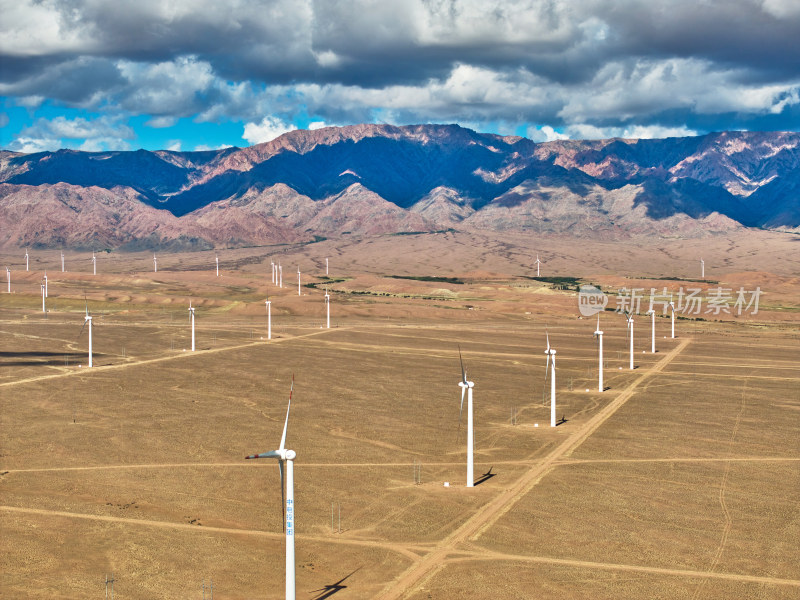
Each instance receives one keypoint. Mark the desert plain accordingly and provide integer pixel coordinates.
(680, 480)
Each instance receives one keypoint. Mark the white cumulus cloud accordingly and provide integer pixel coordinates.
(267, 130)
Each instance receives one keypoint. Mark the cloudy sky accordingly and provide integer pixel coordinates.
(199, 74)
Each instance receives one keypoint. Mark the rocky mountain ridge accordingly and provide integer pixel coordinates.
(367, 180)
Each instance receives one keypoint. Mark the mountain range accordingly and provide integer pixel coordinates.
(364, 180)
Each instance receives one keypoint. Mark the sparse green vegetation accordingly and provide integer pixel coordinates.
(429, 278)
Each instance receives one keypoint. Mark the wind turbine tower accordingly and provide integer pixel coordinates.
(272, 266)
(551, 363)
(672, 310)
(88, 319)
(298, 282)
(280, 275)
(702, 269)
(155, 263)
(269, 319)
(599, 335)
(652, 314)
(46, 295)
(26, 259)
(8, 279)
(62, 261)
(191, 313)
(286, 457)
(216, 256)
(629, 318)
(466, 386)
(538, 263)
(44, 310)
(326, 267)
(94, 264)
(328, 307)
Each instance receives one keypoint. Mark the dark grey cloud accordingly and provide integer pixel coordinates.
(561, 62)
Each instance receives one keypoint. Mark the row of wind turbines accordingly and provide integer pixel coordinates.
(276, 278)
(286, 457)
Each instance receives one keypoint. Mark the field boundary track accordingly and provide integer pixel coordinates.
(147, 361)
(486, 516)
(587, 564)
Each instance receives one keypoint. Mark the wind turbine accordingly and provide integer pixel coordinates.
(298, 281)
(217, 257)
(62, 261)
(629, 318)
(46, 295)
(652, 314)
(87, 319)
(551, 361)
(272, 266)
(702, 269)
(269, 318)
(466, 386)
(537, 263)
(94, 263)
(326, 267)
(155, 263)
(26, 259)
(672, 310)
(8, 279)
(328, 307)
(280, 273)
(287, 457)
(599, 335)
(191, 313)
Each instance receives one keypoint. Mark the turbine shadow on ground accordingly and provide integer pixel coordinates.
(485, 477)
(55, 358)
(333, 588)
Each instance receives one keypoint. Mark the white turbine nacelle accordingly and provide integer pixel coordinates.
(652, 314)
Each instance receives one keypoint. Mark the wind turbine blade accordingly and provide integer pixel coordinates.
(546, 369)
(547, 335)
(286, 423)
(81, 331)
(460, 412)
(283, 496)
(86, 303)
(463, 372)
